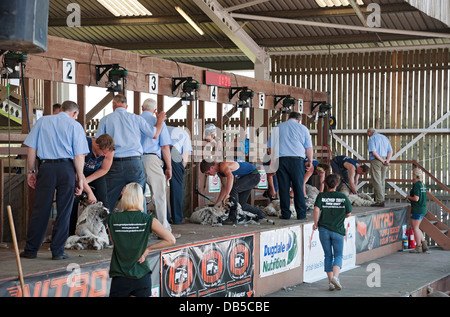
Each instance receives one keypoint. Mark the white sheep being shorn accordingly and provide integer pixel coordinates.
(90, 232)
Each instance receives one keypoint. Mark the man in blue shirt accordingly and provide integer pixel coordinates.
(153, 149)
(180, 151)
(59, 143)
(290, 143)
(380, 153)
(126, 129)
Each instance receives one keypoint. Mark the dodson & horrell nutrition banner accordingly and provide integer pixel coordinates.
(280, 250)
(222, 268)
(313, 262)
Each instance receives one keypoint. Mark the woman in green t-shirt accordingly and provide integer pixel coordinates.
(418, 199)
(330, 210)
(129, 232)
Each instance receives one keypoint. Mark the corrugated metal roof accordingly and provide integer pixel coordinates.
(166, 33)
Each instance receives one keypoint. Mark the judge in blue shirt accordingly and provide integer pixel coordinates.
(126, 129)
(180, 150)
(380, 154)
(59, 143)
(290, 143)
(156, 154)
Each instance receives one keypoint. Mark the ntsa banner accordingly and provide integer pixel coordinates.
(75, 280)
(381, 228)
(280, 250)
(313, 261)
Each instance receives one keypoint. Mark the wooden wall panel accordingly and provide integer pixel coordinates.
(395, 90)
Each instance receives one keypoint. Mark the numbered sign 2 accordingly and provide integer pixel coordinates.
(153, 83)
(69, 71)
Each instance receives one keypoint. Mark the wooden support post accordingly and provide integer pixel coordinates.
(27, 105)
(48, 97)
(81, 100)
(99, 107)
(160, 103)
(137, 103)
(194, 165)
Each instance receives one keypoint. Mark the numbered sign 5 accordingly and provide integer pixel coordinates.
(261, 100)
(153, 83)
(69, 71)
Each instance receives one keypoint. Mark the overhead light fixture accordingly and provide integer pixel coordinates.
(245, 96)
(189, 89)
(336, 3)
(14, 64)
(117, 77)
(189, 20)
(287, 105)
(125, 7)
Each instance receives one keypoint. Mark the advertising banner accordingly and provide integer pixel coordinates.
(280, 250)
(263, 184)
(74, 281)
(214, 183)
(380, 228)
(313, 262)
(222, 268)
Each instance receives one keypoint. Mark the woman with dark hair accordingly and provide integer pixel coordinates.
(330, 210)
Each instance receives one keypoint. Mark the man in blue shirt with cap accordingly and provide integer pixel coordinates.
(380, 154)
(290, 143)
(126, 129)
(59, 143)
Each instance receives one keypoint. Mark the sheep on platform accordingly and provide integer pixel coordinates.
(90, 232)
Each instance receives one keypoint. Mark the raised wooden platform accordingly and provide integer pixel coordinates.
(45, 277)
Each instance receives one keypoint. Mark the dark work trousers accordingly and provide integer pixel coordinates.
(291, 172)
(100, 192)
(342, 172)
(122, 172)
(176, 191)
(240, 192)
(59, 176)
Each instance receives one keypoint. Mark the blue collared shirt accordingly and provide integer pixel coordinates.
(180, 139)
(57, 136)
(289, 138)
(151, 145)
(380, 144)
(125, 128)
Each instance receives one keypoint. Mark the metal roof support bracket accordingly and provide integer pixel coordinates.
(234, 31)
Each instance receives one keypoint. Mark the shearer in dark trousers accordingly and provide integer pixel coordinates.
(237, 179)
(289, 144)
(59, 141)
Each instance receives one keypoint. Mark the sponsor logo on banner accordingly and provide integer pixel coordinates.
(221, 268)
(313, 262)
(180, 275)
(211, 267)
(279, 250)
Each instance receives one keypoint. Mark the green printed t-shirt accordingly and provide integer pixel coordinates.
(130, 231)
(334, 207)
(419, 207)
